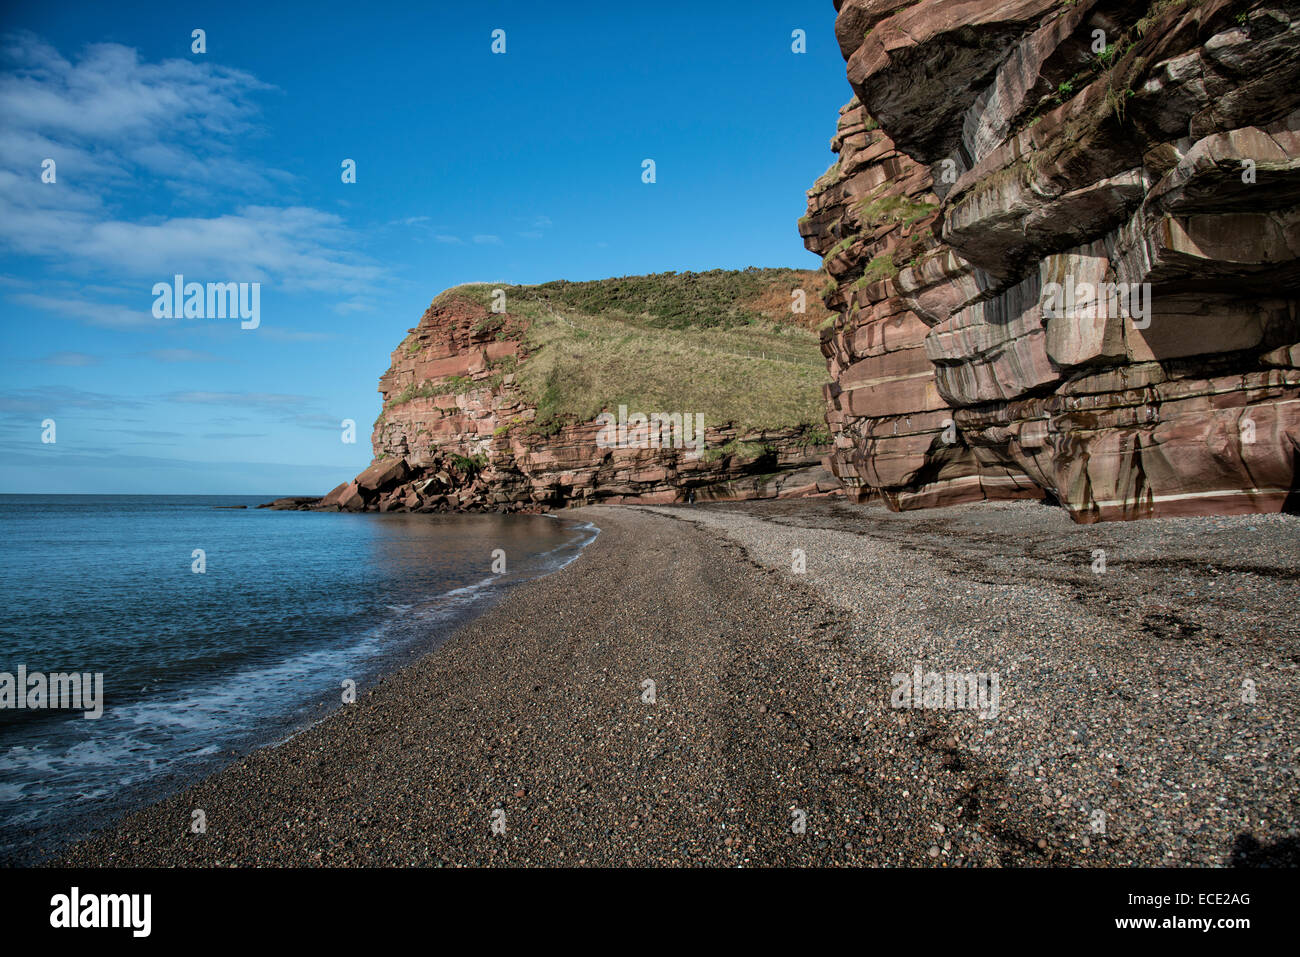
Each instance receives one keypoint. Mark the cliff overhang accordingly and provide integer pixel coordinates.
(1143, 156)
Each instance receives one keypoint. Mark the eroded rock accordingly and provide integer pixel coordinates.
(457, 433)
(995, 155)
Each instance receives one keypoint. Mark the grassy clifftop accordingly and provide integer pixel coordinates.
(725, 343)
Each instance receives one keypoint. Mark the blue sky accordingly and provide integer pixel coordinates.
(470, 166)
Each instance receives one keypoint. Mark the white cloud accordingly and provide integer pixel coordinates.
(357, 304)
(109, 315)
(130, 137)
(108, 116)
(109, 93)
(71, 359)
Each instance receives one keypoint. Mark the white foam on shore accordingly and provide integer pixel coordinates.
(184, 732)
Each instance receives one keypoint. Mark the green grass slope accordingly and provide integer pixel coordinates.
(725, 343)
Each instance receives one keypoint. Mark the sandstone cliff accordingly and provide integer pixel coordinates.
(1062, 241)
(489, 409)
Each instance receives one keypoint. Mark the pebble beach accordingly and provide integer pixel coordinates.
(711, 686)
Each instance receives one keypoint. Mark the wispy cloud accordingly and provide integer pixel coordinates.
(301, 410)
(110, 315)
(294, 335)
(357, 304)
(110, 93)
(537, 227)
(315, 420)
(150, 433)
(126, 133)
(108, 458)
(182, 355)
(297, 248)
(266, 401)
(55, 399)
(109, 114)
(70, 359)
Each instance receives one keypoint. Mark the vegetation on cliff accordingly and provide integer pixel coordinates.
(726, 343)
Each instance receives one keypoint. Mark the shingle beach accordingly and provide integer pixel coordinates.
(1147, 711)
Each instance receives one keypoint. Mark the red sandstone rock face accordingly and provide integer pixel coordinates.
(990, 158)
(455, 434)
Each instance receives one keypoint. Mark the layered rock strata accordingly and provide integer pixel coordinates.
(458, 432)
(1062, 242)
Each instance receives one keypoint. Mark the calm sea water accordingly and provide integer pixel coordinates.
(201, 667)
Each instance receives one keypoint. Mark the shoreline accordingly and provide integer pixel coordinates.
(151, 746)
(772, 703)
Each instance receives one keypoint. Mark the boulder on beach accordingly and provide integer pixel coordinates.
(382, 475)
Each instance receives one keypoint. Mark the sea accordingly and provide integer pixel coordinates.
(217, 630)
